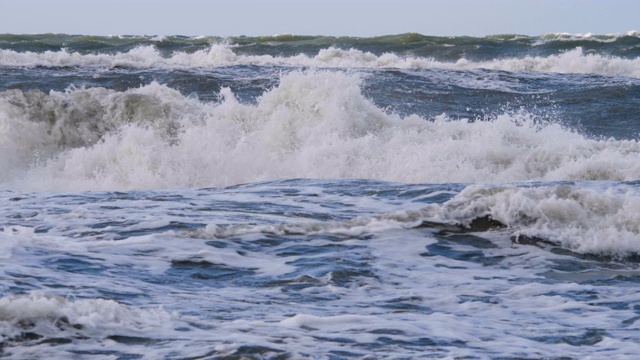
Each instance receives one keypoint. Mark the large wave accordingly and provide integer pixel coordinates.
(312, 125)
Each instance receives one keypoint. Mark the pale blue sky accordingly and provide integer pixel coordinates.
(329, 17)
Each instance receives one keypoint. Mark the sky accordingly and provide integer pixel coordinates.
(312, 17)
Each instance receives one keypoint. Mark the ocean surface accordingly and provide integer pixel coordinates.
(309, 197)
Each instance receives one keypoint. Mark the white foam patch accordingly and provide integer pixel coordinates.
(54, 316)
(338, 322)
(218, 55)
(264, 264)
(312, 125)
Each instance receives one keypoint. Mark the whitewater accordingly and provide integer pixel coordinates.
(404, 196)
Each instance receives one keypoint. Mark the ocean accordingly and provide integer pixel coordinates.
(310, 197)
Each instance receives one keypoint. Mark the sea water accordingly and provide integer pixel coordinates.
(280, 197)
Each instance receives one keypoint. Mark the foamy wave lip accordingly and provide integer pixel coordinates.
(574, 61)
(54, 316)
(582, 220)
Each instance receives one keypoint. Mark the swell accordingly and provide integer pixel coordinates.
(312, 125)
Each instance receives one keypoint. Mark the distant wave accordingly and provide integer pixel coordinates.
(320, 40)
(574, 61)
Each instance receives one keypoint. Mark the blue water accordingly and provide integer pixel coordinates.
(313, 197)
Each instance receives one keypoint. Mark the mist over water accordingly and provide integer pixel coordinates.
(316, 197)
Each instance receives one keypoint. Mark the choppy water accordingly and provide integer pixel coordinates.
(312, 197)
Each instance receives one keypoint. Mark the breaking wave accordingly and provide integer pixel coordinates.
(312, 125)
